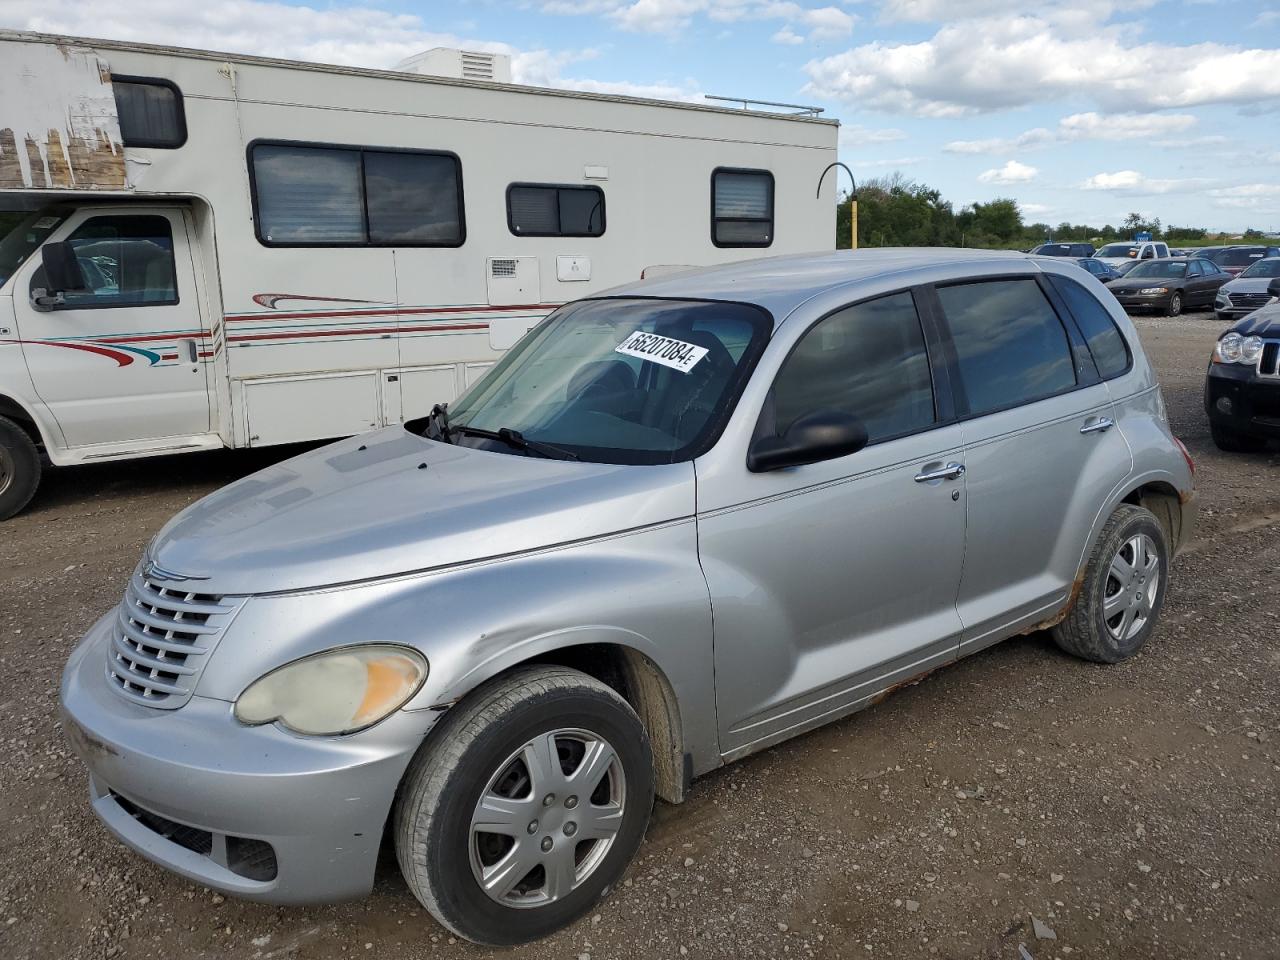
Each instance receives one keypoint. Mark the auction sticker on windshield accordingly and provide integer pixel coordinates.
(675, 354)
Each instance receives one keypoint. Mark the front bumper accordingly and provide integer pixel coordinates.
(1236, 398)
(173, 784)
(1133, 302)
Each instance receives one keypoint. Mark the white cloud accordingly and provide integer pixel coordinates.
(787, 36)
(1032, 138)
(351, 35)
(972, 66)
(1083, 126)
(1035, 209)
(886, 164)
(1137, 184)
(1248, 196)
(673, 16)
(1011, 172)
(856, 136)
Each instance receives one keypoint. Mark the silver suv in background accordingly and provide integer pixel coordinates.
(673, 526)
(1249, 291)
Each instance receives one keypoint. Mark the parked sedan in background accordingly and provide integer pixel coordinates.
(1170, 284)
(1237, 258)
(1242, 387)
(1247, 292)
(1104, 272)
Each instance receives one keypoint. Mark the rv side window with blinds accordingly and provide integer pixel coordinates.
(150, 112)
(307, 195)
(550, 210)
(741, 207)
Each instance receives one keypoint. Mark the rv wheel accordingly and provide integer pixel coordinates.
(19, 468)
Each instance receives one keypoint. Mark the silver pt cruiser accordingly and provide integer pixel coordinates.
(674, 525)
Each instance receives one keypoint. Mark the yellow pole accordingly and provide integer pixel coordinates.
(853, 223)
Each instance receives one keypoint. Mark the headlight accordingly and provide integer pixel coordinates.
(338, 691)
(1229, 348)
(1250, 349)
(1153, 291)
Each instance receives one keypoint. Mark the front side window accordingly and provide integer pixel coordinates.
(619, 380)
(353, 197)
(867, 360)
(150, 112)
(1118, 250)
(545, 210)
(741, 208)
(126, 261)
(1110, 352)
(1011, 348)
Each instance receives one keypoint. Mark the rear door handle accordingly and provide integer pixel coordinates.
(1097, 425)
(949, 472)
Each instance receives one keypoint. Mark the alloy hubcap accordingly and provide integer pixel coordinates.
(547, 818)
(1133, 583)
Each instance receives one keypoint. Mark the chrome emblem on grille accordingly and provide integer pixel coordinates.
(157, 574)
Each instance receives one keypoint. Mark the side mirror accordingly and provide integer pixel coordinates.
(821, 435)
(1273, 288)
(62, 273)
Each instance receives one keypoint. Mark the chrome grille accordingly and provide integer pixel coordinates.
(1249, 301)
(164, 634)
(1269, 361)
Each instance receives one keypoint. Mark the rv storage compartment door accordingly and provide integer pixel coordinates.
(310, 407)
(423, 387)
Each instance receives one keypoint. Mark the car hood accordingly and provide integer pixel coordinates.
(1263, 322)
(1133, 285)
(392, 502)
(1247, 285)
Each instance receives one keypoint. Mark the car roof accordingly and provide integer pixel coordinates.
(780, 284)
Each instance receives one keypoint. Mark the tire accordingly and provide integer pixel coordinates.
(1175, 305)
(1098, 629)
(479, 750)
(1233, 442)
(19, 468)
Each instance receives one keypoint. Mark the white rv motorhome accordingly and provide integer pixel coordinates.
(201, 250)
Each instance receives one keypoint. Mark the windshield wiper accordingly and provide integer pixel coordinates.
(516, 440)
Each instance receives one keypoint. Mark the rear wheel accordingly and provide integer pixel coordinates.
(1123, 589)
(1233, 442)
(526, 806)
(19, 468)
(1175, 305)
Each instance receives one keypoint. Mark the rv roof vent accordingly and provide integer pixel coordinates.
(502, 268)
(460, 64)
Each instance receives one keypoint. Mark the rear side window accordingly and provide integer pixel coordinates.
(126, 261)
(741, 208)
(547, 210)
(867, 360)
(150, 112)
(1011, 347)
(1106, 343)
(356, 197)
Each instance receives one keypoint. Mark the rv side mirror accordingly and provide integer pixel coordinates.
(62, 274)
(821, 435)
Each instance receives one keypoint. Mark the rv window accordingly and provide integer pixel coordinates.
(546, 210)
(352, 197)
(741, 208)
(150, 112)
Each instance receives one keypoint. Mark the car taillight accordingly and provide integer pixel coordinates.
(1186, 455)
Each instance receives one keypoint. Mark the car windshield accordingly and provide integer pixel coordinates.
(21, 234)
(1117, 250)
(1237, 256)
(1263, 268)
(1157, 268)
(624, 380)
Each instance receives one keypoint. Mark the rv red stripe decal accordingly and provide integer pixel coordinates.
(370, 331)
(121, 358)
(385, 312)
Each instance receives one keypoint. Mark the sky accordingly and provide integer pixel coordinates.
(1081, 110)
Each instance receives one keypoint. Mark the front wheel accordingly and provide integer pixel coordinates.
(1175, 305)
(19, 468)
(1233, 442)
(525, 806)
(1123, 589)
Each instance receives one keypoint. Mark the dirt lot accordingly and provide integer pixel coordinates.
(1133, 810)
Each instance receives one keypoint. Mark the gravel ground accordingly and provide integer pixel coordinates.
(1019, 797)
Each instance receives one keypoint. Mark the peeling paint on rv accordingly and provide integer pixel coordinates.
(58, 123)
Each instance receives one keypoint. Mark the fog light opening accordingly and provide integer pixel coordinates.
(1225, 405)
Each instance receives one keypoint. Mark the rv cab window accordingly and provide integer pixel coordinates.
(307, 195)
(741, 208)
(150, 112)
(548, 210)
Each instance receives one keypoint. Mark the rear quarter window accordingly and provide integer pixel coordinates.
(1106, 343)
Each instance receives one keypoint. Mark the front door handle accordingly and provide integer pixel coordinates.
(949, 472)
(193, 352)
(1097, 425)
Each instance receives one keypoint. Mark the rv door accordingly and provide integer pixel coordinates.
(119, 355)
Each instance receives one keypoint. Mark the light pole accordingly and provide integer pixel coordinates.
(853, 201)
